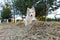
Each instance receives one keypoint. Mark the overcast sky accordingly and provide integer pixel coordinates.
(58, 0)
(54, 13)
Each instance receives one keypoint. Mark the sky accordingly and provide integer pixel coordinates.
(2, 1)
(54, 13)
(58, 0)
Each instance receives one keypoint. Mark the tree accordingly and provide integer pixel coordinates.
(41, 6)
(22, 5)
(6, 14)
(41, 9)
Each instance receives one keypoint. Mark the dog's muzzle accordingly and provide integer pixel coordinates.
(31, 15)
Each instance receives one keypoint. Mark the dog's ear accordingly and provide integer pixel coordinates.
(33, 8)
(27, 8)
(28, 11)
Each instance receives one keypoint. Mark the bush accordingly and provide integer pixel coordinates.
(19, 20)
(57, 19)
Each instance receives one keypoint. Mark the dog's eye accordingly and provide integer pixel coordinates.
(32, 12)
(29, 12)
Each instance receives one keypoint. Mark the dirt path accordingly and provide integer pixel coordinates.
(35, 31)
(12, 32)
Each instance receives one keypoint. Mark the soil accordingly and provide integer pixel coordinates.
(37, 30)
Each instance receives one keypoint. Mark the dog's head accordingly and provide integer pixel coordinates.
(31, 12)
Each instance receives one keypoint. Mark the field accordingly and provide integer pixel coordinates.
(36, 31)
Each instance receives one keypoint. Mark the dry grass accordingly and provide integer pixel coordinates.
(35, 31)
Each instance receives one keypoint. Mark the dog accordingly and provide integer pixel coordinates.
(30, 16)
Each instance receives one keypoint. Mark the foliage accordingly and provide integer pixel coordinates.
(50, 19)
(41, 7)
(6, 14)
(50, 2)
(22, 5)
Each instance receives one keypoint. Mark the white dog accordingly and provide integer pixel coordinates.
(30, 15)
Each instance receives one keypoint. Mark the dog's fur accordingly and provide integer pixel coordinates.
(30, 15)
